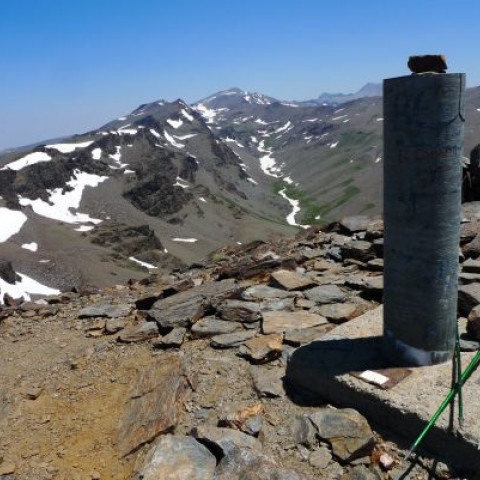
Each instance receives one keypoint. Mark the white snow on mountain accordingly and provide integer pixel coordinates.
(11, 221)
(185, 137)
(84, 228)
(25, 287)
(33, 246)
(180, 182)
(143, 264)
(174, 123)
(285, 127)
(186, 115)
(186, 240)
(172, 141)
(60, 203)
(30, 159)
(69, 147)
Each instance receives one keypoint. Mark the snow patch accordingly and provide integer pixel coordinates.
(251, 180)
(96, 153)
(202, 199)
(84, 228)
(30, 159)
(60, 203)
(25, 287)
(116, 158)
(285, 127)
(333, 145)
(69, 147)
(181, 183)
(174, 123)
(186, 240)
(33, 247)
(11, 221)
(172, 141)
(185, 137)
(186, 115)
(143, 264)
(295, 208)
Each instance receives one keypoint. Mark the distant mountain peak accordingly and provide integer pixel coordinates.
(368, 90)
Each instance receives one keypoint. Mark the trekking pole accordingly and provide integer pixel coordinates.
(465, 376)
(459, 376)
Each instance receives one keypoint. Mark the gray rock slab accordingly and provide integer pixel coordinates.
(114, 325)
(145, 331)
(105, 310)
(338, 312)
(320, 458)
(268, 382)
(260, 292)
(468, 297)
(279, 322)
(262, 348)
(324, 368)
(347, 431)
(232, 340)
(225, 439)
(212, 326)
(356, 223)
(276, 304)
(179, 314)
(291, 280)
(306, 335)
(326, 294)
(173, 339)
(178, 458)
(243, 464)
(304, 433)
(239, 311)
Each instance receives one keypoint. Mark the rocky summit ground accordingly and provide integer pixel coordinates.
(182, 376)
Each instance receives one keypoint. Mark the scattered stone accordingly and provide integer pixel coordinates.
(304, 432)
(145, 331)
(468, 298)
(469, 345)
(386, 461)
(114, 325)
(239, 311)
(34, 392)
(339, 312)
(169, 314)
(232, 340)
(471, 266)
(376, 265)
(320, 458)
(178, 458)
(248, 418)
(427, 63)
(7, 468)
(268, 382)
(304, 303)
(223, 440)
(277, 304)
(325, 294)
(105, 310)
(323, 265)
(174, 339)
(263, 348)
(358, 250)
(154, 404)
(291, 280)
(211, 326)
(303, 336)
(280, 322)
(473, 324)
(261, 292)
(356, 223)
(311, 253)
(243, 464)
(360, 472)
(346, 430)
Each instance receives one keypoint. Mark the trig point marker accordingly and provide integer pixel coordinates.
(423, 144)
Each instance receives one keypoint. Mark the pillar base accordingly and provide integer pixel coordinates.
(403, 355)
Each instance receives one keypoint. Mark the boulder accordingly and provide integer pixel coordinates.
(468, 298)
(239, 311)
(243, 464)
(280, 322)
(222, 441)
(211, 326)
(170, 315)
(427, 63)
(355, 223)
(140, 333)
(7, 272)
(346, 430)
(304, 433)
(178, 458)
(339, 312)
(247, 417)
(358, 250)
(262, 348)
(326, 294)
(173, 339)
(289, 280)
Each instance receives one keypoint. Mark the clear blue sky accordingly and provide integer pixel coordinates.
(67, 66)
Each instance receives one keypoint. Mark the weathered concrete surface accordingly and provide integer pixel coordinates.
(323, 368)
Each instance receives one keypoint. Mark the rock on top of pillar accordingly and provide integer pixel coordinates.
(427, 64)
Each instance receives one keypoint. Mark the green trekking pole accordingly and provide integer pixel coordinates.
(459, 376)
(465, 376)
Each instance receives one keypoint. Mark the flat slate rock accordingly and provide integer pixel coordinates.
(154, 403)
(291, 280)
(178, 458)
(145, 331)
(105, 310)
(268, 382)
(306, 335)
(239, 311)
(212, 326)
(468, 297)
(280, 322)
(173, 339)
(178, 314)
(260, 292)
(339, 312)
(263, 348)
(232, 340)
(326, 294)
(225, 439)
(471, 266)
(346, 430)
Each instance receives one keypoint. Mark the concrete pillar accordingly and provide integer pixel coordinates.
(423, 146)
